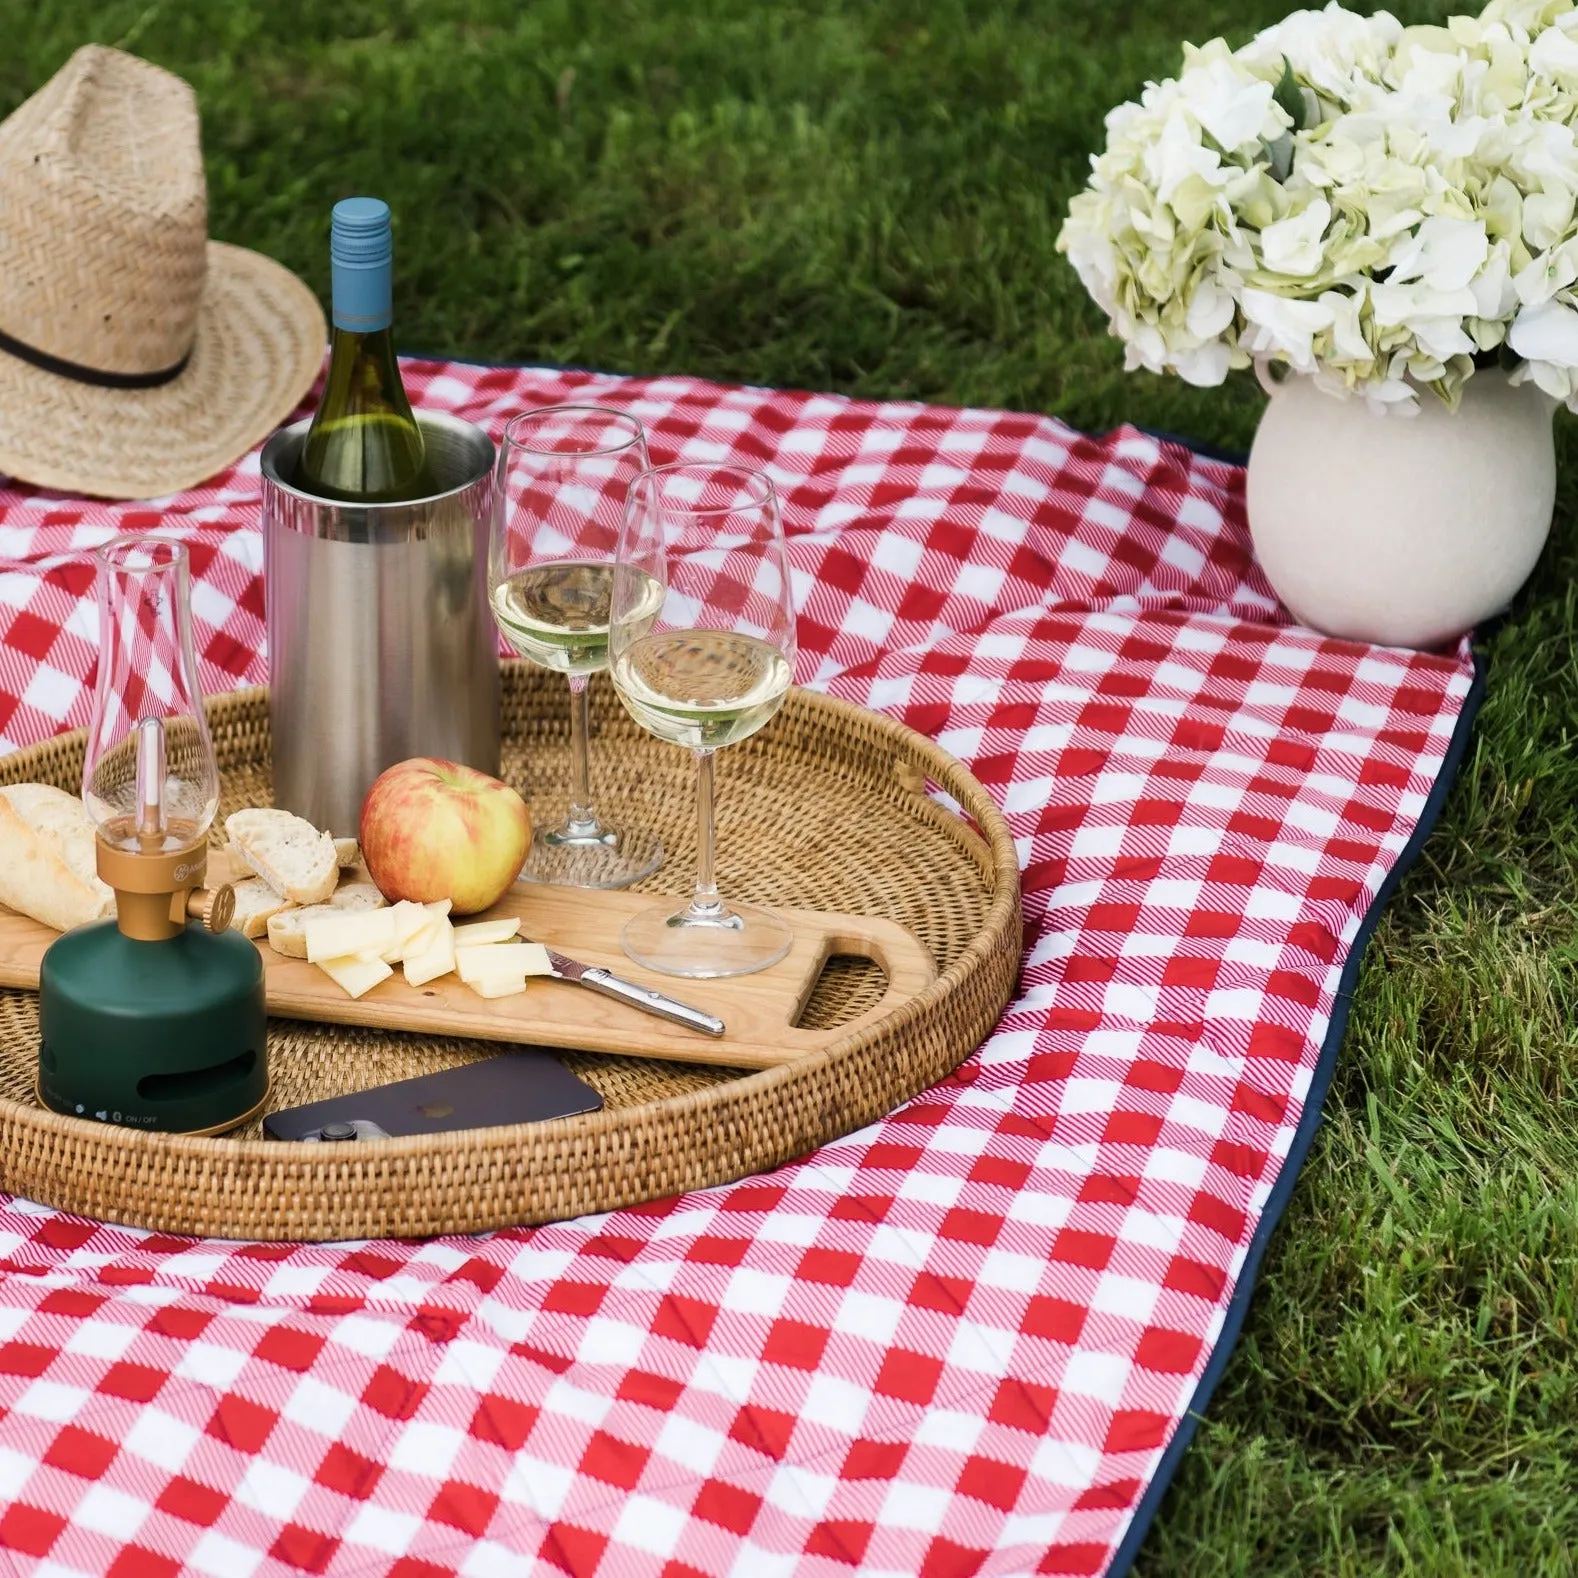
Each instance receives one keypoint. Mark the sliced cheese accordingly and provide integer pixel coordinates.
(435, 960)
(499, 985)
(427, 938)
(480, 932)
(431, 934)
(287, 931)
(356, 976)
(501, 959)
(409, 921)
(359, 934)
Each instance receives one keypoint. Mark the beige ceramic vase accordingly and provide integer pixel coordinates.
(1405, 531)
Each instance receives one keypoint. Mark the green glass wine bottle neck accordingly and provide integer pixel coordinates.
(364, 444)
(364, 376)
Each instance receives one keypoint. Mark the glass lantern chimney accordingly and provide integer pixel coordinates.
(149, 778)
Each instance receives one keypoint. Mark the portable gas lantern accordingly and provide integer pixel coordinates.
(156, 1019)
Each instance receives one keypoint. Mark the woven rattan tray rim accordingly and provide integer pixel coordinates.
(956, 1011)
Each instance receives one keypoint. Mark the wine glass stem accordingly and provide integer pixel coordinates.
(582, 820)
(704, 902)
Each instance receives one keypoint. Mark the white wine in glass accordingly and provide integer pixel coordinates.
(705, 668)
(556, 613)
(702, 688)
(564, 474)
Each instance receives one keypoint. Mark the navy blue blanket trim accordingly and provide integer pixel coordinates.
(1233, 457)
(1293, 1164)
(1282, 1191)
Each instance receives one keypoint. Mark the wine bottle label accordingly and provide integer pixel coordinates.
(361, 254)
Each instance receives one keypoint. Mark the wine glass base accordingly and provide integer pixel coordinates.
(739, 941)
(605, 858)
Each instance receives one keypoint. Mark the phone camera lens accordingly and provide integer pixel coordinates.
(338, 1131)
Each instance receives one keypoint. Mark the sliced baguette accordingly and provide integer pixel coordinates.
(291, 855)
(346, 851)
(287, 933)
(47, 809)
(256, 905)
(47, 861)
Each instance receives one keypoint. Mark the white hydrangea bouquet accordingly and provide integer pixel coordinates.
(1383, 208)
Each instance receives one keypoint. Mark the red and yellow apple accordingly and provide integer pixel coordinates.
(433, 830)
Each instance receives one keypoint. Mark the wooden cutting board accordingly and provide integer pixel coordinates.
(760, 1010)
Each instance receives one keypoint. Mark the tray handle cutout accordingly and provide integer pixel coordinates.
(903, 958)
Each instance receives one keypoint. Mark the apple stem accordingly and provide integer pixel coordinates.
(704, 901)
(582, 821)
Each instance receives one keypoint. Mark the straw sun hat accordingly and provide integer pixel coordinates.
(137, 357)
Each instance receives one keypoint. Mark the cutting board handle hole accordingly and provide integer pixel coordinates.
(847, 986)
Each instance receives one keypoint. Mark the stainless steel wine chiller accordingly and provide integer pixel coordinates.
(381, 642)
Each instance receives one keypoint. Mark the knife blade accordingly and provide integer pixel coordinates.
(645, 998)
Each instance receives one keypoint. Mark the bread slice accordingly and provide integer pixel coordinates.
(346, 851)
(256, 905)
(287, 931)
(50, 810)
(291, 855)
(48, 868)
(357, 896)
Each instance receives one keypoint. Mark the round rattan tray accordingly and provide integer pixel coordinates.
(827, 809)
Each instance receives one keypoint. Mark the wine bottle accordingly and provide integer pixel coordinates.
(364, 444)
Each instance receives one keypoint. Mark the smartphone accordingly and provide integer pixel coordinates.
(523, 1086)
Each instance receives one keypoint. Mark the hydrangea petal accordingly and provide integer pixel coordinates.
(1293, 246)
(1445, 253)
(1547, 332)
(1231, 106)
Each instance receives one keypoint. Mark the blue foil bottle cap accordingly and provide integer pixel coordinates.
(361, 255)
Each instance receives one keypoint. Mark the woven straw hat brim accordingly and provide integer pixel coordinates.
(259, 346)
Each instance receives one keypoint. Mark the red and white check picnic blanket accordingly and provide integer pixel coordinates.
(958, 1342)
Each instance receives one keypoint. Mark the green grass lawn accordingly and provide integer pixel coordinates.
(862, 195)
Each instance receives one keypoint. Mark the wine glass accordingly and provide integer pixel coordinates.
(702, 645)
(563, 474)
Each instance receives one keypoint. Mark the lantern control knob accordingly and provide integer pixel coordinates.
(214, 907)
